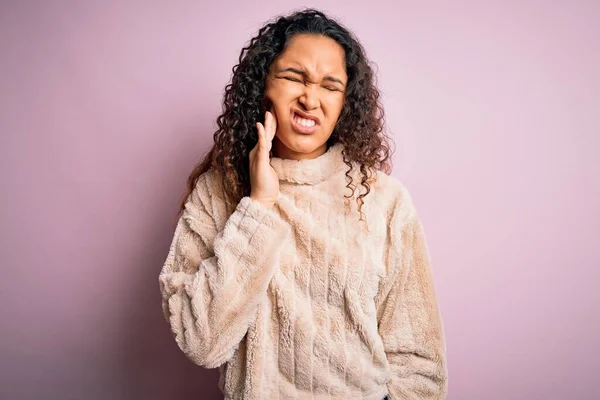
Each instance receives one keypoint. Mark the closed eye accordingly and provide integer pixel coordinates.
(294, 79)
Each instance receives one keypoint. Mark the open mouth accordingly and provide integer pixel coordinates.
(303, 123)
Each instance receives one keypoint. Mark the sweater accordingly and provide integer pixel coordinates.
(306, 300)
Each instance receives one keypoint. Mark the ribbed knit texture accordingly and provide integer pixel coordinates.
(304, 301)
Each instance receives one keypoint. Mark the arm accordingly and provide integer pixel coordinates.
(212, 282)
(409, 320)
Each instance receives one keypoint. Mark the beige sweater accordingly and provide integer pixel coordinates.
(301, 301)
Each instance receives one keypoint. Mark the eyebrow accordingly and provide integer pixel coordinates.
(305, 74)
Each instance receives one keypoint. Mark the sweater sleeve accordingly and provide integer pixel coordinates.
(212, 282)
(409, 320)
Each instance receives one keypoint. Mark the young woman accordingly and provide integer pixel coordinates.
(298, 266)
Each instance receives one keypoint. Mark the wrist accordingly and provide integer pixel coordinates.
(265, 202)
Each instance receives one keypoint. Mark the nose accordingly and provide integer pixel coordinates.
(310, 97)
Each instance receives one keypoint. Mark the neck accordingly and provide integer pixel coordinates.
(310, 171)
(280, 150)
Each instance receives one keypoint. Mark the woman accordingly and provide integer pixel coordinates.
(298, 266)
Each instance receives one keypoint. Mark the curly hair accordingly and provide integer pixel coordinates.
(360, 126)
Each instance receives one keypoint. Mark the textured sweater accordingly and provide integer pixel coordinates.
(304, 300)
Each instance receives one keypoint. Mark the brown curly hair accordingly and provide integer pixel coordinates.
(360, 126)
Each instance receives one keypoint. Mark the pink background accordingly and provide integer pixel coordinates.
(105, 107)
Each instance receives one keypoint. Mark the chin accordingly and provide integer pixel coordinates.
(302, 144)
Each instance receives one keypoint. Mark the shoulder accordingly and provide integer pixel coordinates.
(209, 185)
(394, 197)
(207, 197)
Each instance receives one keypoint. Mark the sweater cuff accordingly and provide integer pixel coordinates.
(258, 212)
(252, 233)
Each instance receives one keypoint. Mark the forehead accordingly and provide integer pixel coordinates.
(315, 53)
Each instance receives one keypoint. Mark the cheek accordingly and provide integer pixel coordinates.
(332, 107)
(280, 95)
(277, 100)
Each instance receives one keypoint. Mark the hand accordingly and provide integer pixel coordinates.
(264, 182)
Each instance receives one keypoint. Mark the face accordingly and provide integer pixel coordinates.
(306, 87)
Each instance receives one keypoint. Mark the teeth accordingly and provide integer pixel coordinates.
(304, 121)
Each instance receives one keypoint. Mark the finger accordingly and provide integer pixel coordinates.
(267, 125)
(267, 129)
(262, 145)
(252, 153)
(270, 125)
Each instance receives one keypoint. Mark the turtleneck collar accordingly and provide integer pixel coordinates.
(310, 171)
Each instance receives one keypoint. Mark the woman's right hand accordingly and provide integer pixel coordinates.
(264, 182)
